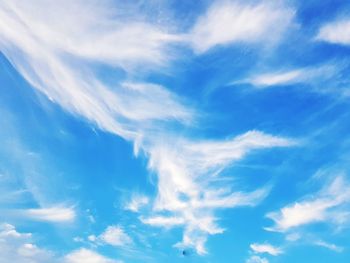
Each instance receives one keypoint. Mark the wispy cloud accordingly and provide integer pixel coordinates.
(56, 46)
(330, 205)
(56, 214)
(311, 76)
(189, 187)
(182, 170)
(54, 58)
(266, 248)
(329, 246)
(271, 79)
(84, 255)
(161, 221)
(257, 259)
(41, 22)
(336, 32)
(227, 22)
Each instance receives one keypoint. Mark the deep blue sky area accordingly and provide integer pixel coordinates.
(174, 131)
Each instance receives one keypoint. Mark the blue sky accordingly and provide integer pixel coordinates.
(174, 131)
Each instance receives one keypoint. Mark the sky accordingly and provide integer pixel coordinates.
(174, 131)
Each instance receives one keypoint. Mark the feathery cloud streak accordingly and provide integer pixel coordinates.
(56, 50)
(266, 248)
(330, 205)
(330, 246)
(227, 22)
(311, 76)
(51, 214)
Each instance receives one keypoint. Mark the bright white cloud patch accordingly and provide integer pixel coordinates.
(337, 32)
(115, 236)
(227, 22)
(84, 255)
(161, 221)
(330, 205)
(51, 214)
(266, 248)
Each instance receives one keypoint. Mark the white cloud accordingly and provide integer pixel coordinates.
(301, 213)
(18, 247)
(330, 246)
(92, 238)
(293, 237)
(162, 221)
(186, 170)
(194, 239)
(257, 259)
(56, 46)
(53, 56)
(309, 75)
(337, 32)
(227, 22)
(186, 174)
(84, 255)
(8, 230)
(115, 236)
(330, 205)
(266, 248)
(140, 42)
(277, 78)
(136, 202)
(56, 214)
